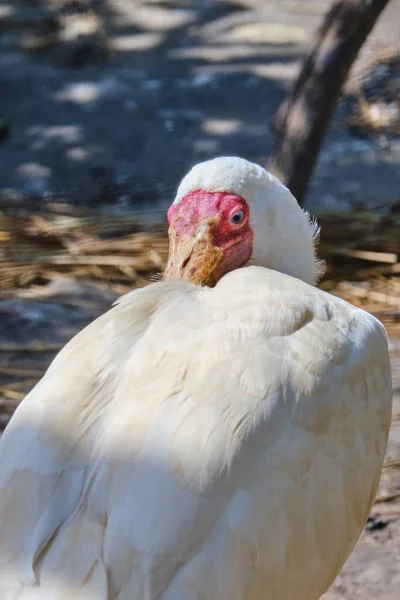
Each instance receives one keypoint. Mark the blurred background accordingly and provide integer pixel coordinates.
(104, 106)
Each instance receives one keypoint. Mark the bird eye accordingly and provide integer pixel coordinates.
(237, 217)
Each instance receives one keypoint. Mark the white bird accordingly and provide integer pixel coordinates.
(218, 435)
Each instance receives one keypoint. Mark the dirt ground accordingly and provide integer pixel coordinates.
(106, 109)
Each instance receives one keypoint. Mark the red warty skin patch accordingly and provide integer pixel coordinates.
(232, 232)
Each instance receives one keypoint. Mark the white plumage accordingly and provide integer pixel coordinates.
(199, 443)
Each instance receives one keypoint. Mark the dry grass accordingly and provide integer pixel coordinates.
(37, 247)
(362, 252)
(123, 251)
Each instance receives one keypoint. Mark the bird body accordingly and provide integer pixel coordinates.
(198, 443)
(203, 473)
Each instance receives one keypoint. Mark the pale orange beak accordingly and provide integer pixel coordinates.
(194, 257)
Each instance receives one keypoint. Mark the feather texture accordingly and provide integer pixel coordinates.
(197, 443)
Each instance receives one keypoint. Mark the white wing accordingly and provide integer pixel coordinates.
(46, 450)
(198, 443)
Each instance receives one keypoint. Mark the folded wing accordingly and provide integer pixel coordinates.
(198, 439)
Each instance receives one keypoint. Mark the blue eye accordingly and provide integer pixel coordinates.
(237, 217)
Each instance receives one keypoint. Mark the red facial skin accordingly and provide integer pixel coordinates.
(234, 239)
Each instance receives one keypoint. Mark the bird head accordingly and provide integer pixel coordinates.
(229, 213)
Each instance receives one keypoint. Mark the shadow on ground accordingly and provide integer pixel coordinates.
(116, 103)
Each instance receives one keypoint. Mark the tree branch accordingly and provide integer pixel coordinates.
(303, 118)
